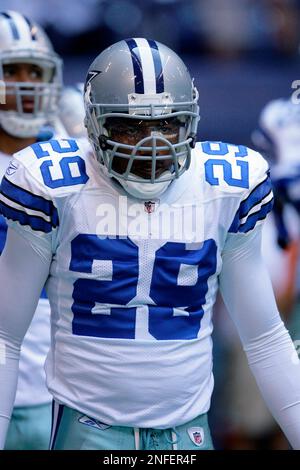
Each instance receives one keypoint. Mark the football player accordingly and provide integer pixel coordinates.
(278, 138)
(30, 74)
(133, 243)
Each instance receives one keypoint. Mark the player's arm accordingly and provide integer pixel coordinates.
(246, 288)
(23, 273)
(32, 219)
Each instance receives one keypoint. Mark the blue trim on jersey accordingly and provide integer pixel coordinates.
(31, 28)
(12, 25)
(29, 200)
(137, 65)
(43, 294)
(256, 216)
(256, 196)
(33, 221)
(3, 231)
(160, 87)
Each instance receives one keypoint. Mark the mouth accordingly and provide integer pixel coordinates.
(145, 170)
(28, 105)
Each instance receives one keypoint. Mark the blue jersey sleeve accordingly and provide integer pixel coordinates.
(22, 201)
(254, 207)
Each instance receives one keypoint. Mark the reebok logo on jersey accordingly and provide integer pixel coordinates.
(196, 435)
(94, 423)
(12, 168)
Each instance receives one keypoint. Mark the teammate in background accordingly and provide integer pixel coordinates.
(278, 137)
(31, 72)
(71, 111)
(133, 244)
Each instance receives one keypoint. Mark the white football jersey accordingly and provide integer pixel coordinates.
(31, 389)
(280, 128)
(132, 283)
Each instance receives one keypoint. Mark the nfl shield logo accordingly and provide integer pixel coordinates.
(196, 435)
(149, 206)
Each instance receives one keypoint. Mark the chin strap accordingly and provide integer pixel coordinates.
(193, 141)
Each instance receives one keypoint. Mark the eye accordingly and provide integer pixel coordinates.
(36, 73)
(166, 129)
(131, 131)
(9, 71)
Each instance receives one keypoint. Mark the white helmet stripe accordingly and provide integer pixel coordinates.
(159, 76)
(147, 65)
(22, 27)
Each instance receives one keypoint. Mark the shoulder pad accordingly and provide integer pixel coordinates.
(58, 165)
(272, 115)
(230, 168)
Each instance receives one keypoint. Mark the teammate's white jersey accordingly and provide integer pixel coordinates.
(280, 131)
(279, 137)
(31, 390)
(132, 283)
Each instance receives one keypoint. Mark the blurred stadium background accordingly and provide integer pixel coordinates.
(242, 54)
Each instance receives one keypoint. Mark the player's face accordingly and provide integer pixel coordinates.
(131, 132)
(20, 72)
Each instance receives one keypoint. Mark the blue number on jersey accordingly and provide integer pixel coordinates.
(65, 163)
(223, 149)
(119, 260)
(179, 280)
(196, 267)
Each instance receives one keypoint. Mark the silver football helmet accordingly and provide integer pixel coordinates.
(141, 80)
(22, 41)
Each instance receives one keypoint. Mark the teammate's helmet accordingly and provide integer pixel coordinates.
(22, 41)
(141, 80)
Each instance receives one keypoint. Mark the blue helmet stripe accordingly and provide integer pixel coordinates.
(31, 28)
(137, 66)
(12, 24)
(159, 77)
